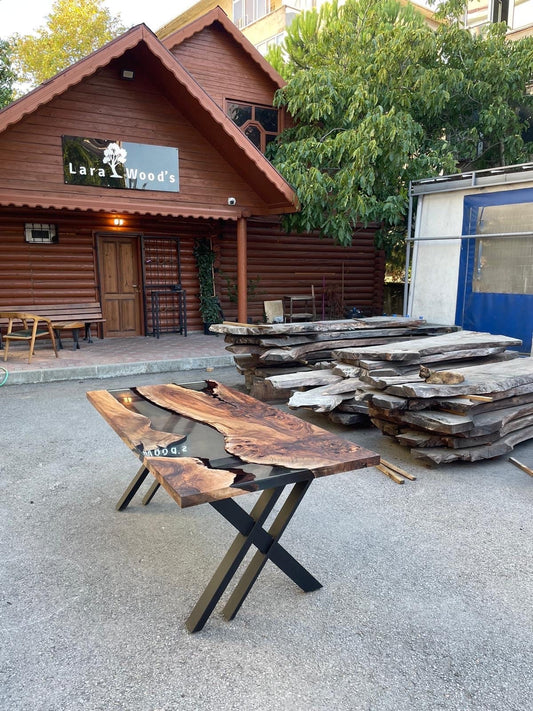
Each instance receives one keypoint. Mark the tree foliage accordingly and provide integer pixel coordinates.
(73, 29)
(7, 76)
(452, 11)
(380, 99)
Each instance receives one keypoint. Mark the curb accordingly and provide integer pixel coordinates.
(87, 372)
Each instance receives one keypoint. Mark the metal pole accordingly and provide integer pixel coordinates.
(478, 235)
(407, 252)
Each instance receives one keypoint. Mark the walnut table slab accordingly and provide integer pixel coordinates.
(208, 443)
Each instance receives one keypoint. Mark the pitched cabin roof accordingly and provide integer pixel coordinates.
(202, 7)
(275, 195)
(219, 17)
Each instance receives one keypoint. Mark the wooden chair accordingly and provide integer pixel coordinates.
(30, 331)
(273, 311)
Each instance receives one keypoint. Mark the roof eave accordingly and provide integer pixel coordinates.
(128, 206)
(58, 84)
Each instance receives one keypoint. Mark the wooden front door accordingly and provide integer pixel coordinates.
(118, 261)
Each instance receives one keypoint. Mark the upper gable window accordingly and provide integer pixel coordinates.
(259, 123)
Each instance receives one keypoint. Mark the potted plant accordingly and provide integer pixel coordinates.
(210, 308)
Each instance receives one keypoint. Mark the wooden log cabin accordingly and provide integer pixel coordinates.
(112, 169)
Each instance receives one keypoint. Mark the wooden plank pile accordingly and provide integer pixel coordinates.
(264, 350)
(484, 415)
(358, 373)
(460, 396)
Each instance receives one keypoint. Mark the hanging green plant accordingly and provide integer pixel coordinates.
(210, 308)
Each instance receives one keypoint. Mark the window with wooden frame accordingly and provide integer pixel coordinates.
(258, 123)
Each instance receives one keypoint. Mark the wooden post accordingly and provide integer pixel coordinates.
(242, 271)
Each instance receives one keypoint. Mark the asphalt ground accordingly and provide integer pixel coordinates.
(426, 604)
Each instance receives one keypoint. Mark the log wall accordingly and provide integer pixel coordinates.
(66, 272)
(281, 265)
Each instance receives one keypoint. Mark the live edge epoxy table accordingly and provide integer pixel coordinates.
(207, 443)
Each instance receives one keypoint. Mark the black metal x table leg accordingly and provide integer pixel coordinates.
(251, 532)
(132, 488)
(276, 554)
(266, 543)
(150, 493)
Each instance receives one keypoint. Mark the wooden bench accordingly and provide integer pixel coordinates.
(65, 317)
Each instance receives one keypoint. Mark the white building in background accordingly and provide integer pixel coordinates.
(518, 14)
(263, 22)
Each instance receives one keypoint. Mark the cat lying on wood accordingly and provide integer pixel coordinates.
(444, 377)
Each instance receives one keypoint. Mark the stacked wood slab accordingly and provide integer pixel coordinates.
(265, 350)
(484, 416)
(483, 411)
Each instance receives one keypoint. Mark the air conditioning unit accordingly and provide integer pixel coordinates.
(39, 233)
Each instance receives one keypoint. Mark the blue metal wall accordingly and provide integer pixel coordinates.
(507, 314)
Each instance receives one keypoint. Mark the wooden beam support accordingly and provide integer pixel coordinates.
(392, 475)
(398, 470)
(521, 466)
(242, 270)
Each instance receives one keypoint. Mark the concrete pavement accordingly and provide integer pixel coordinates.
(426, 603)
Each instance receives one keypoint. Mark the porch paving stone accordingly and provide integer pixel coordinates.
(112, 357)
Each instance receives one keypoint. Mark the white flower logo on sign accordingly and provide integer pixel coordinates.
(114, 155)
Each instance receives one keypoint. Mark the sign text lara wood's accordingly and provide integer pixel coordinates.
(119, 164)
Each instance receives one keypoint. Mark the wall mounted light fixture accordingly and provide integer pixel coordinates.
(127, 74)
(118, 221)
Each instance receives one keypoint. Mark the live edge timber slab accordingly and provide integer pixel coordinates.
(351, 324)
(413, 351)
(254, 432)
(259, 433)
(216, 444)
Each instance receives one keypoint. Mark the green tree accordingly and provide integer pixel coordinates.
(7, 76)
(452, 11)
(73, 29)
(380, 99)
